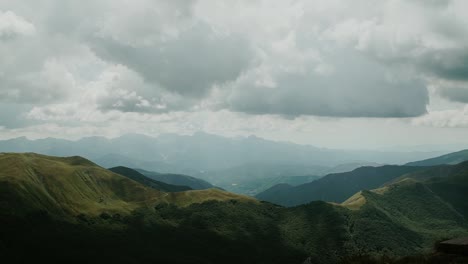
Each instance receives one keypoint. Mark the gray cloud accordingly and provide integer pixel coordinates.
(11, 117)
(188, 64)
(357, 88)
(448, 64)
(456, 94)
(156, 57)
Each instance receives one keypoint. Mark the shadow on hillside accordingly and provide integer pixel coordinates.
(165, 235)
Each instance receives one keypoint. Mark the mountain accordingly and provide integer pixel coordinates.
(64, 209)
(68, 186)
(188, 154)
(349, 167)
(335, 187)
(402, 219)
(451, 158)
(252, 178)
(158, 185)
(245, 165)
(115, 160)
(418, 210)
(177, 179)
(65, 186)
(71, 210)
(253, 187)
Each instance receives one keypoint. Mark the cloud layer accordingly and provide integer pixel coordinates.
(87, 61)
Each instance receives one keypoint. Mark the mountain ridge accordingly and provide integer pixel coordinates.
(448, 159)
(335, 187)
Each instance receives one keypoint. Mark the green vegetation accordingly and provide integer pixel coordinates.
(138, 177)
(70, 210)
(70, 186)
(177, 179)
(335, 187)
(405, 219)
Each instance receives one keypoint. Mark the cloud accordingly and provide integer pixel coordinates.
(429, 36)
(51, 83)
(120, 88)
(12, 26)
(456, 94)
(189, 64)
(451, 118)
(340, 84)
(284, 58)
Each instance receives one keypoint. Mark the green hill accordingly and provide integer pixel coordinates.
(177, 179)
(66, 186)
(408, 215)
(449, 159)
(335, 187)
(73, 185)
(138, 177)
(71, 210)
(402, 219)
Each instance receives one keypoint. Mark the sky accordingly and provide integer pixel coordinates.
(331, 73)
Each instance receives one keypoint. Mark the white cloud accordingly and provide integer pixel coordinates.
(451, 118)
(12, 25)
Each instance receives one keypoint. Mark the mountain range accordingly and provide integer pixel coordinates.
(337, 187)
(247, 165)
(451, 158)
(71, 210)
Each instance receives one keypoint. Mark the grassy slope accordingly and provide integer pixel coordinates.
(255, 186)
(69, 186)
(138, 177)
(146, 225)
(404, 220)
(212, 226)
(408, 216)
(335, 187)
(178, 179)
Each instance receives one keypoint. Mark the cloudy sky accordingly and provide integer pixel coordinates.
(332, 73)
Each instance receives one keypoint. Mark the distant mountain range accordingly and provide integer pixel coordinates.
(202, 152)
(54, 208)
(247, 165)
(339, 186)
(451, 159)
(335, 187)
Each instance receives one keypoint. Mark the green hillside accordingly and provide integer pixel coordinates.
(73, 185)
(70, 210)
(449, 159)
(177, 179)
(64, 209)
(335, 187)
(138, 177)
(66, 186)
(402, 219)
(407, 216)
